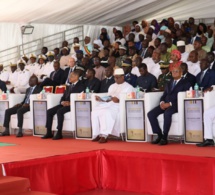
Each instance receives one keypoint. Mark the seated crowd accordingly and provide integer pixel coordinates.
(168, 56)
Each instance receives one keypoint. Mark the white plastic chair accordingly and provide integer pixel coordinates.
(177, 126)
(28, 116)
(68, 124)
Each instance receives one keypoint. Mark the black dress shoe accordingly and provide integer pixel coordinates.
(102, 140)
(163, 142)
(96, 139)
(20, 134)
(207, 142)
(5, 133)
(57, 136)
(157, 141)
(46, 136)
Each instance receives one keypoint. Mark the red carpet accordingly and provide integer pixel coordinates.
(77, 166)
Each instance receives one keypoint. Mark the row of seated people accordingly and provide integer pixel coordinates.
(105, 115)
(98, 79)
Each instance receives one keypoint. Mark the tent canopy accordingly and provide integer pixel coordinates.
(102, 12)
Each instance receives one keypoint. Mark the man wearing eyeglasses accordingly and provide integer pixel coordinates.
(168, 106)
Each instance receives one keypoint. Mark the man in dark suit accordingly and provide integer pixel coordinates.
(108, 81)
(168, 106)
(64, 106)
(67, 71)
(55, 77)
(206, 78)
(186, 75)
(21, 108)
(211, 60)
(129, 77)
(92, 82)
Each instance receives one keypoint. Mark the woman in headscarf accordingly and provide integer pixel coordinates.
(175, 57)
(156, 25)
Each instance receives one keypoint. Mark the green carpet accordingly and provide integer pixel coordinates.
(6, 144)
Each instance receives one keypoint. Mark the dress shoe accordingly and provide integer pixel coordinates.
(207, 142)
(96, 139)
(102, 140)
(157, 141)
(46, 136)
(57, 136)
(163, 142)
(19, 134)
(5, 133)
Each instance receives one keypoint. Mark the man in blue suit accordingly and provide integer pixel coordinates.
(206, 78)
(168, 106)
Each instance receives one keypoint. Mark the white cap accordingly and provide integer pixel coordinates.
(119, 71)
(32, 55)
(122, 47)
(180, 43)
(168, 31)
(152, 27)
(24, 56)
(98, 42)
(50, 53)
(76, 45)
(42, 56)
(21, 61)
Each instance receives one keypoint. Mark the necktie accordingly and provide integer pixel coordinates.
(107, 80)
(67, 81)
(202, 76)
(53, 75)
(28, 95)
(173, 84)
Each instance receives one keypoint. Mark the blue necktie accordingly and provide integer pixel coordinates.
(27, 100)
(173, 84)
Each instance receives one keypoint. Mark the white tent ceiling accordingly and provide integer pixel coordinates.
(101, 12)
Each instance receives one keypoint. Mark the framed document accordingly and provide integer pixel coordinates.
(193, 117)
(83, 119)
(4, 105)
(39, 117)
(135, 121)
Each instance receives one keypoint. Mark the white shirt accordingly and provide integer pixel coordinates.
(184, 56)
(32, 67)
(194, 68)
(135, 71)
(23, 78)
(4, 75)
(13, 76)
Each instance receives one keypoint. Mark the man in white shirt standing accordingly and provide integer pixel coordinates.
(105, 115)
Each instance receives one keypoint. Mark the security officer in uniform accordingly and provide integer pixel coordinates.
(23, 78)
(40, 72)
(33, 65)
(13, 76)
(4, 74)
(122, 57)
(165, 77)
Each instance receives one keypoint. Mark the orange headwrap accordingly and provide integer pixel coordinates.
(177, 53)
